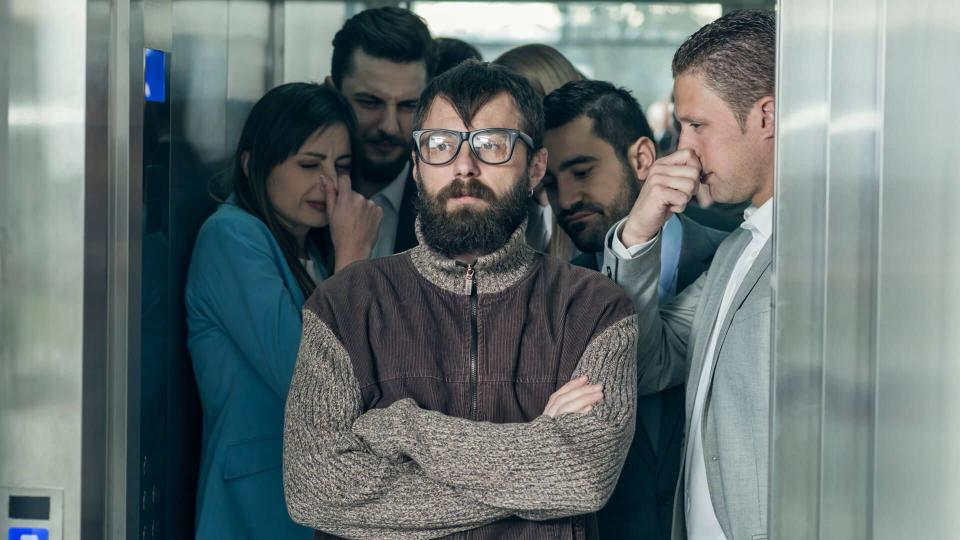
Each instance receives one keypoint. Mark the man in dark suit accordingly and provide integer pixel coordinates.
(600, 149)
(382, 61)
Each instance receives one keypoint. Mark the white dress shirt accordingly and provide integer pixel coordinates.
(389, 199)
(701, 517)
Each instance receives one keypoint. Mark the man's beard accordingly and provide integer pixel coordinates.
(589, 236)
(384, 172)
(470, 230)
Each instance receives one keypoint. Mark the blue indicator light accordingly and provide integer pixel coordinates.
(19, 533)
(154, 75)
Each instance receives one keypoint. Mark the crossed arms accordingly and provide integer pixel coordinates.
(405, 472)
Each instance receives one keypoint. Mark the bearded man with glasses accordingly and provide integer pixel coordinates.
(471, 383)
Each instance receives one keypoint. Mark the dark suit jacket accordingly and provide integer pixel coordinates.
(641, 507)
(407, 218)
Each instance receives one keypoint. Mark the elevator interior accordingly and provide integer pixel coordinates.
(117, 119)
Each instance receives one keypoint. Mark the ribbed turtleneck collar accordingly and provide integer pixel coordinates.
(493, 272)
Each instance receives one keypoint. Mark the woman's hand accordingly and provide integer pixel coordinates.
(574, 397)
(354, 222)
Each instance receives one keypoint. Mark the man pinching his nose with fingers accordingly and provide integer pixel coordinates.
(715, 336)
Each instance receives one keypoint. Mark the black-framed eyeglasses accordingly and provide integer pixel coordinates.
(493, 146)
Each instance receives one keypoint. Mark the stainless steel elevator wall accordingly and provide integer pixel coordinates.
(42, 133)
(866, 376)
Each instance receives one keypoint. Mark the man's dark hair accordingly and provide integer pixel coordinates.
(451, 52)
(471, 85)
(617, 117)
(390, 33)
(736, 55)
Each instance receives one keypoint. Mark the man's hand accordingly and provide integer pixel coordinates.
(672, 181)
(574, 397)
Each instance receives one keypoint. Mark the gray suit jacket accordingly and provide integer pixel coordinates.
(671, 350)
(641, 507)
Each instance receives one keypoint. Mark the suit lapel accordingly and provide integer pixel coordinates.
(760, 265)
(720, 272)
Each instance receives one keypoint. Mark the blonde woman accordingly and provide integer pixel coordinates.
(547, 69)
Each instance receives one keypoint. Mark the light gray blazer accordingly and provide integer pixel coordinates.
(671, 350)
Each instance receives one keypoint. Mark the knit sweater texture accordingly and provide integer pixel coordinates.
(416, 405)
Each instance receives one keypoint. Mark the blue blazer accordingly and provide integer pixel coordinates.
(243, 317)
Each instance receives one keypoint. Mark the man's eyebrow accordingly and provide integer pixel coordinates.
(366, 95)
(576, 160)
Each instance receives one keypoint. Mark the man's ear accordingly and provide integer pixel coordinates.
(245, 163)
(768, 114)
(415, 164)
(641, 156)
(328, 82)
(537, 168)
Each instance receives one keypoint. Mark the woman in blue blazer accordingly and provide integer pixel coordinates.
(292, 220)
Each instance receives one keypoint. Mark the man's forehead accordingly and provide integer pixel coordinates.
(384, 78)
(499, 112)
(693, 98)
(576, 138)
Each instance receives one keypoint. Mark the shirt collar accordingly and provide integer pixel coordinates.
(759, 221)
(392, 194)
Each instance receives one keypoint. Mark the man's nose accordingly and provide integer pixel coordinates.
(465, 164)
(389, 121)
(685, 142)
(567, 196)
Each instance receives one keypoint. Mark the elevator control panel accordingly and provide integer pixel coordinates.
(31, 514)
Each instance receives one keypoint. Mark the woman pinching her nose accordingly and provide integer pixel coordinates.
(354, 221)
(291, 221)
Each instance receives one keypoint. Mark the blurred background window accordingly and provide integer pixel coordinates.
(628, 44)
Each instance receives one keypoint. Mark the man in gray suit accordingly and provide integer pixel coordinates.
(600, 150)
(715, 336)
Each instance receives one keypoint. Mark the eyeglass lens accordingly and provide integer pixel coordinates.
(439, 147)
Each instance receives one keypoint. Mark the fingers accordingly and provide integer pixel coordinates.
(575, 396)
(344, 185)
(573, 383)
(576, 401)
(685, 157)
(330, 190)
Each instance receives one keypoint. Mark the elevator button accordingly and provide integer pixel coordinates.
(19, 533)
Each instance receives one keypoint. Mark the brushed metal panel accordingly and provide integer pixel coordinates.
(800, 230)
(41, 230)
(918, 343)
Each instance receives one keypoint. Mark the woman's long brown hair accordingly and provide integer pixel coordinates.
(277, 127)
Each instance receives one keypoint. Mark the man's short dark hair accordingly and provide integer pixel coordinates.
(390, 33)
(471, 85)
(452, 52)
(736, 55)
(617, 117)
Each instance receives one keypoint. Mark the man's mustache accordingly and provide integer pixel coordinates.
(471, 188)
(566, 213)
(381, 138)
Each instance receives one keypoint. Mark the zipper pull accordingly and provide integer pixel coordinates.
(468, 284)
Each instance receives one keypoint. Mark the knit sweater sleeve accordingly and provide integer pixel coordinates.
(543, 469)
(334, 483)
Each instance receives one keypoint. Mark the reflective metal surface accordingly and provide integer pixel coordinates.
(42, 247)
(865, 429)
(918, 343)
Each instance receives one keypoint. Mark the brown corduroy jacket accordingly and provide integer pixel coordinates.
(416, 405)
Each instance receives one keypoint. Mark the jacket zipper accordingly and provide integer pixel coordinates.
(470, 287)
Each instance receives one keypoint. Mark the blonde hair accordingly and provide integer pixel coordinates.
(547, 69)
